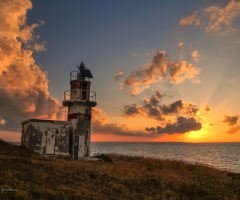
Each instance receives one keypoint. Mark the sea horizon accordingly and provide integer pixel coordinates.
(149, 142)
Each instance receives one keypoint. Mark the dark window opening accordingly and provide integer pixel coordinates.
(84, 91)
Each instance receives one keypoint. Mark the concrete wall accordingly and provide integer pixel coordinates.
(80, 117)
(46, 136)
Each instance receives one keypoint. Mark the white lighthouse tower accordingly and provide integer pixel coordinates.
(80, 101)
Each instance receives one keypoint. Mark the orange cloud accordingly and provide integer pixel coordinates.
(156, 70)
(101, 125)
(218, 19)
(195, 56)
(23, 86)
(190, 20)
(180, 47)
(179, 71)
(233, 129)
(117, 76)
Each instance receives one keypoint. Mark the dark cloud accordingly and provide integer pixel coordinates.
(207, 109)
(191, 109)
(172, 108)
(230, 120)
(150, 107)
(155, 99)
(131, 110)
(152, 129)
(153, 109)
(183, 125)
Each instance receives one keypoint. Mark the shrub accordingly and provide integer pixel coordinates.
(104, 157)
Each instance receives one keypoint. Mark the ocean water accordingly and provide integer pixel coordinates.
(224, 156)
(219, 155)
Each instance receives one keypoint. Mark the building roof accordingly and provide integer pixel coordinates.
(41, 120)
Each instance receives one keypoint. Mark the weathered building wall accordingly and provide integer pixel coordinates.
(80, 117)
(46, 136)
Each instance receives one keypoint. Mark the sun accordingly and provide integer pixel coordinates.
(194, 135)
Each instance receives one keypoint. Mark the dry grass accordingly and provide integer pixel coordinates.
(112, 177)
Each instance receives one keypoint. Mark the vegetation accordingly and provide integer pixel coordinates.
(28, 175)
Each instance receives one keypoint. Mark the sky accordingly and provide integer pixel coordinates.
(164, 71)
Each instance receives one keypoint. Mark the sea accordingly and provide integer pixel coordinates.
(225, 156)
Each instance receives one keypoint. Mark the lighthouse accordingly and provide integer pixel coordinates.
(72, 137)
(80, 100)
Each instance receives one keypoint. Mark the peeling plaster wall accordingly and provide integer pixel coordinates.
(46, 136)
(81, 127)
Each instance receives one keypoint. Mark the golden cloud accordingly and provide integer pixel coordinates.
(190, 20)
(23, 85)
(156, 70)
(218, 19)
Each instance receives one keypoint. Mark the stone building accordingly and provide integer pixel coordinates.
(72, 137)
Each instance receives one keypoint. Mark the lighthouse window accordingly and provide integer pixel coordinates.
(84, 91)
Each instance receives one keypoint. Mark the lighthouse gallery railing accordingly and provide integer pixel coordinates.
(76, 94)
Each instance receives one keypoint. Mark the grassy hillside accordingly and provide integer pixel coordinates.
(111, 177)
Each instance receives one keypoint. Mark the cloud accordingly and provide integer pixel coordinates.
(195, 56)
(148, 54)
(180, 47)
(138, 90)
(220, 19)
(180, 44)
(156, 70)
(207, 109)
(117, 76)
(234, 79)
(23, 86)
(135, 54)
(215, 19)
(100, 124)
(152, 108)
(230, 120)
(190, 20)
(132, 110)
(179, 71)
(233, 129)
(152, 129)
(182, 125)
(172, 108)
(148, 108)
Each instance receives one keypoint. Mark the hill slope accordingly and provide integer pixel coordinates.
(25, 174)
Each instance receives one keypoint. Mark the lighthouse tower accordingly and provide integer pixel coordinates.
(80, 101)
